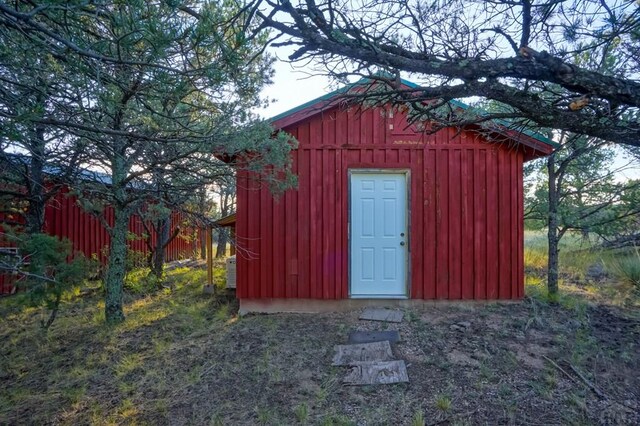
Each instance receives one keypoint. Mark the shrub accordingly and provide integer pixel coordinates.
(626, 268)
(47, 272)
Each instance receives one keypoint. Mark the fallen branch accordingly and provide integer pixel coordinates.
(588, 383)
(560, 368)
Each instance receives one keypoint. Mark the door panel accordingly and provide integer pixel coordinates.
(378, 237)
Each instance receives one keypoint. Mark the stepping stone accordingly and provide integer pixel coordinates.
(382, 314)
(350, 354)
(392, 336)
(377, 373)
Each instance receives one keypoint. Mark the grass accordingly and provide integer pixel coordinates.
(575, 258)
(302, 413)
(80, 349)
(626, 267)
(596, 274)
(184, 357)
(418, 419)
(443, 403)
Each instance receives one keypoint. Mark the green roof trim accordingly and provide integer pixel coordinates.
(312, 102)
(538, 136)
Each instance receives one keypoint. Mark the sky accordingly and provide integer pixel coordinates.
(292, 87)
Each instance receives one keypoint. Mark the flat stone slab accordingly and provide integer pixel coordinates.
(365, 352)
(382, 314)
(376, 373)
(392, 336)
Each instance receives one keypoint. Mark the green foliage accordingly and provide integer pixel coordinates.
(47, 272)
(626, 268)
(590, 198)
(156, 92)
(418, 419)
(140, 281)
(302, 413)
(443, 402)
(135, 259)
(576, 190)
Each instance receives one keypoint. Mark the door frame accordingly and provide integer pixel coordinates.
(407, 175)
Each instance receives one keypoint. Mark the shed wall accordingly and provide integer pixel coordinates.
(466, 211)
(65, 218)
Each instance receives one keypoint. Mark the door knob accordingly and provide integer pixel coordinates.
(401, 243)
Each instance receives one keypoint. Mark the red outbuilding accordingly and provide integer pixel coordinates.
(384, 212)
(65, 218)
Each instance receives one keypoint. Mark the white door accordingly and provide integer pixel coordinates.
(378, 233)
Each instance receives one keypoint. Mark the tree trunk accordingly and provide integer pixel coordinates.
(202, 209)
(114, 279)
(553, 236)
(161, 242)
(203, 243)
(34, 216)
(221, 248)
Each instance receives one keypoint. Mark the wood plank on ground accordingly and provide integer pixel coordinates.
(350, 354)
(382, 314)
(377, 373)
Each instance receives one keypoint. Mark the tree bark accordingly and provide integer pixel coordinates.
(34, 216)
(162, 240)
(202, 210)
(221, 248)
(114, 279)
(203, 244)
(552, 233)
(116, 265)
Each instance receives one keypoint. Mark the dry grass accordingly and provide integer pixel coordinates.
(625, 267)
(613, 276)
(575, 258)
(185, 358)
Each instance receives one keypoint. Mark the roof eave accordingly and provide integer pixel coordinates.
(541, 145)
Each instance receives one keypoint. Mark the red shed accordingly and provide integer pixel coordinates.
(384, 212)
(65, 218)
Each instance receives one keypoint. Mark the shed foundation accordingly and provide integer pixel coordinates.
(310, 306)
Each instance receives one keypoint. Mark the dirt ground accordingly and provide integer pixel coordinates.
(491, 372)
(186, 358)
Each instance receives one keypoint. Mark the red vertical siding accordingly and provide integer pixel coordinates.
(480, 223)
(65, 218)
(291, 243)
(416, 222)
(466, 230)
(427, 257)
(242, 243)
(467, 234)
(442, 221)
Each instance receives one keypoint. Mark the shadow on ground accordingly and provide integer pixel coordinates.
(184, 357)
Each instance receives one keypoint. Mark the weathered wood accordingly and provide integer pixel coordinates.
(559, 368)
(377, 373)
(350, 354)
(588, 383)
